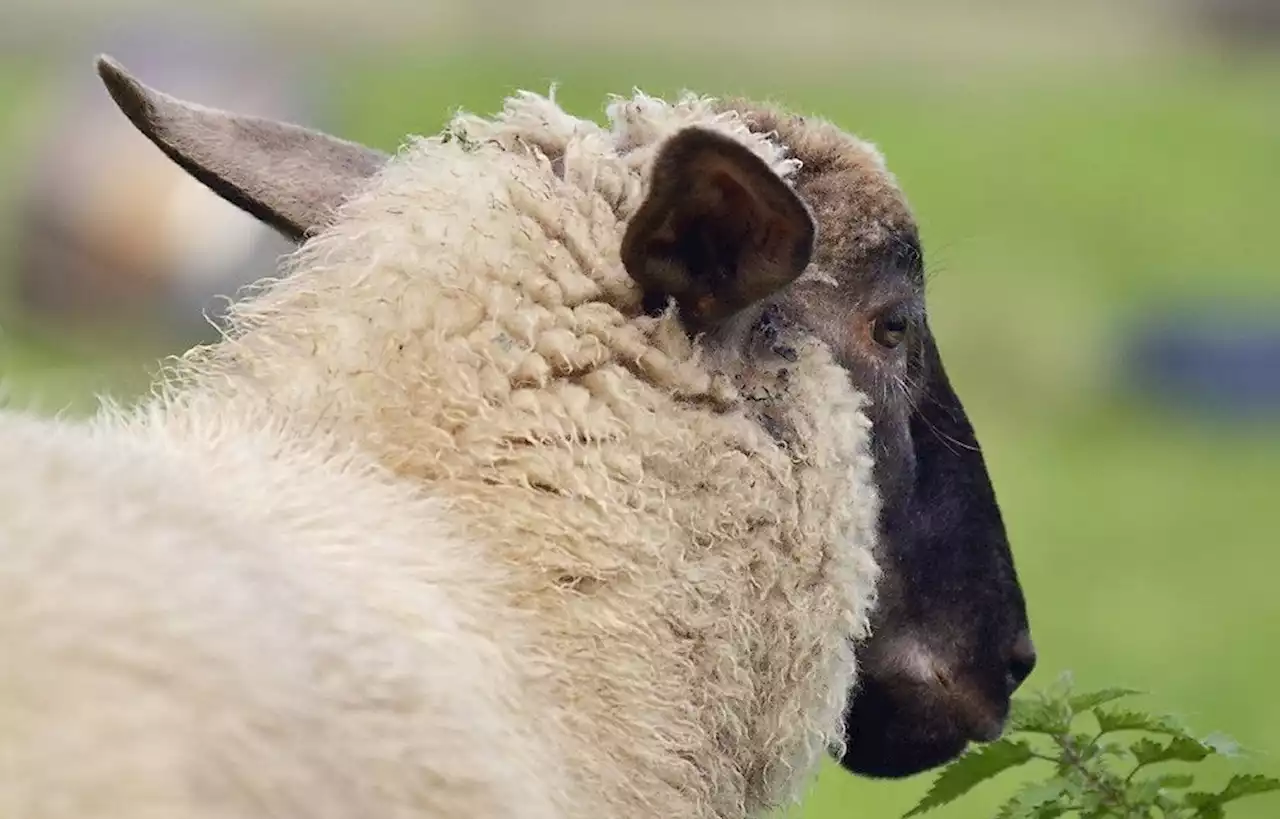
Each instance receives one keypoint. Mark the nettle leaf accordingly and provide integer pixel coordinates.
(1141, 793)
(1146, 751)
(1206, 805)
(1082, 747)
(1179, 749)
(1084, 702)
(1115, 750)
(971, 769)
(1149, 791)
(1170, 805)
(1038, 800)
(1097, 810)
(1083, 783)
(1238, 787)
(1078, 750)
(1242, 785)
(1120, 720)
(1040, 716)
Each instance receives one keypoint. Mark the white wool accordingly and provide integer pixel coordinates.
(222, 622)
(445, 527)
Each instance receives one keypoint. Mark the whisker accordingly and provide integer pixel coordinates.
(906, 386)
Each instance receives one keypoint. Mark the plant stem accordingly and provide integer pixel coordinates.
(1112, 797)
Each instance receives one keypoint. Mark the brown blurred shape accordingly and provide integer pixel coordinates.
(111, 231)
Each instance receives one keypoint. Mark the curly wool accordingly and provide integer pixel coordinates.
(215, 617)
(673, 592)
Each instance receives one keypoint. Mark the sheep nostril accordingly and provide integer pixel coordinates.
(1022, 660)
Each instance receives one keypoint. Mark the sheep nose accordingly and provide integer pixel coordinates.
(1022, 660)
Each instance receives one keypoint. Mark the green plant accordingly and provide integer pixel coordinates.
(1095, 774)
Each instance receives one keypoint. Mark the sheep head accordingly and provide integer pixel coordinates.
(758, 267)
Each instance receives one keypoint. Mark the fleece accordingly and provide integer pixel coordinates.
(448, 524)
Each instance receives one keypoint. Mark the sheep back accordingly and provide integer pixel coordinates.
(217, 618)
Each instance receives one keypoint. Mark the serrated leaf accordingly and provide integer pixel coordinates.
(1033, 797)
(1146, 750)
(1039, 800)
(1084, 702)
(1006, 811)
(1179, 749)
(1249, 785)
(969, 770)
(1238, 787)
(1186, 749)
(1111, 749)
(1039, 716)
(1148, 791)
(1077, 741)
(1141, 793)
(1121, 720)
(1209, 809)
(1083, 749)
(1169, 806)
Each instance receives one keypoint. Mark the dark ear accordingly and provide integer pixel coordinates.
(285, 175)
(719, 231)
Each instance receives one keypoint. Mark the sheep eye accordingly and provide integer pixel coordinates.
(889, 330)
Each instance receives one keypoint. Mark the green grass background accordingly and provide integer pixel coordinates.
(1055, 207)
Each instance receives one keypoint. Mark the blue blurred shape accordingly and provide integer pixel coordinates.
(1223, 362)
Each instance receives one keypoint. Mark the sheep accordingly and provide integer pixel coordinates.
(552, 477)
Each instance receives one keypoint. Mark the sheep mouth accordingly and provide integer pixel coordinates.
(901, 726)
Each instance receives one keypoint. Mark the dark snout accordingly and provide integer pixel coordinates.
(985, 709)
(950, 641)
(917, 708)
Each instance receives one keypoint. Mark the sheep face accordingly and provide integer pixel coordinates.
(762, 271)
(950, 637)
(950, 640)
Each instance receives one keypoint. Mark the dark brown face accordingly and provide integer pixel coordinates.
(950, 639)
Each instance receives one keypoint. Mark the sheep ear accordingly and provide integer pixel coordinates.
(287, 176)
(719, 231)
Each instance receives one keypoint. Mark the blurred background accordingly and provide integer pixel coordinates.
(1098, 184)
